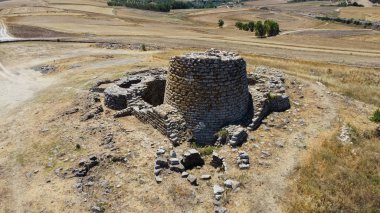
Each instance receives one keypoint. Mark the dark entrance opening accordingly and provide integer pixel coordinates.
(127, 84)
(154, 94)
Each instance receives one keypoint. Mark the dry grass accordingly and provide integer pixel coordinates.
(338, 178)
(367, 13)
(359, 83)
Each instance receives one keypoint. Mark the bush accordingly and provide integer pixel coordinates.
(245, 27)
(223, 133)
(221, 23)
(259, 29)
(251, 26)
(376, 116)
(182, 5)
(206, 150)
(271, 28)
(239, 25)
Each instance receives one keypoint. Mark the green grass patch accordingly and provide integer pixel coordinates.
(376, 116)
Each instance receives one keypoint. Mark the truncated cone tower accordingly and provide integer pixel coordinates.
(210, 90)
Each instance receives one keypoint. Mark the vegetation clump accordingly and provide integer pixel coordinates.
(220, 23)
(376, 116)
(160, 5)
(260, 29)
(268, 28)
(364, 23)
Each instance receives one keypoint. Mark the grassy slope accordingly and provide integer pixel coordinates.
(340, 178)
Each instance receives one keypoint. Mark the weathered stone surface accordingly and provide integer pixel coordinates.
(243, 160)
(210, 90)
(123, 113)
(85, 166)
(162, 162)
(218, 190)
(206, 177)
(158, 179)
(192, 179)
(268, 90)
(237, 135)
(220, 209)
(232, 184)
(184, 174)
(216, 161)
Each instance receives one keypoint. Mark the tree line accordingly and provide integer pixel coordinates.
(268, 28)
(160, 5)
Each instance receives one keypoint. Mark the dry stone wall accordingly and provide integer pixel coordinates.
(210, 90)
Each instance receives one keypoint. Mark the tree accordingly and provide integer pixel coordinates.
(239, 25)
(251, 26)
(271, 28)
(259, 29)
(245, 27)
(221, 23)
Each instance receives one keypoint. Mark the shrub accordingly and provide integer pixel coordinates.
(271, 28)
(245, 27)
(251, 26)
(182, 5)
(223, 133)
(239, 25)
(220, 23)
(376, 116)
(259, 29)
(207, 150)
(143, 47)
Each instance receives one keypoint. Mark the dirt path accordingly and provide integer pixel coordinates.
(268, 196)
(4, 35)
(18, 85)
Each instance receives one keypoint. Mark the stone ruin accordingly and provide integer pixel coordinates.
(200, 94)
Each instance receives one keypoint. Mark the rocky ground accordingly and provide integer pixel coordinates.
(105, 163)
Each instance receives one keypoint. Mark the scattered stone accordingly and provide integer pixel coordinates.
(184, 174)
(123, 113)
(162, 162)
(192, 179)
(45, 69)
(160, 151)
(97, 209)
(232, 184)
(158, 179)
(85, 166)
(217, 161)
(279, 144)
(265, 154)
(237, 135)
(173, 154)
(218, 190)
(345, 134)
(206, 177)
(91, 114)
(243, 160)
(192, 158)
(220, 209)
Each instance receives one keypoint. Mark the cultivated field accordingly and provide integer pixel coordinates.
(332, 77)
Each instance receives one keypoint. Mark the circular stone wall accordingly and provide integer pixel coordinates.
(210, 90)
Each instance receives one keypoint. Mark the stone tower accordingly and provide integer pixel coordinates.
(210, 90)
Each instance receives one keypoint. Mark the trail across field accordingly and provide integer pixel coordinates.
(4, 36)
